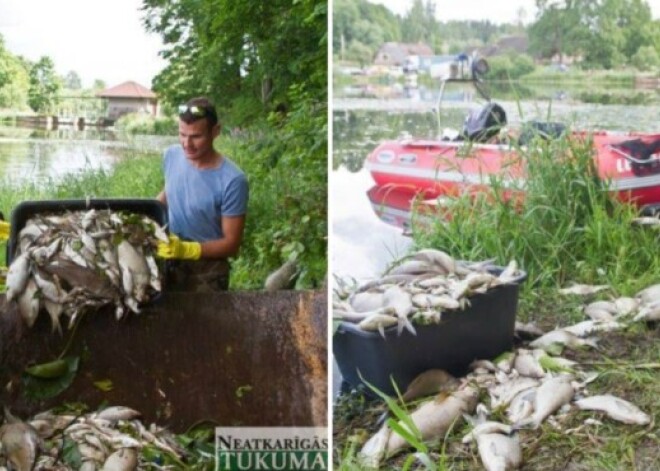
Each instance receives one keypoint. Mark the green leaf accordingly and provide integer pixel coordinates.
(44, 388)
(70, 454)
(104, 385)
(241, 390)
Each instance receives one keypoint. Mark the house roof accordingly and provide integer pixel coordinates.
(128, 89)
(397, 52)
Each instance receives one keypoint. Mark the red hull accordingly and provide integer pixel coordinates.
(438, 168)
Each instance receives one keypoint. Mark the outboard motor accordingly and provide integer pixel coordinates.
(481, 125)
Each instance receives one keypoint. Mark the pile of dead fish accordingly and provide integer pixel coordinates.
(418, 289)
(528, 386)
(72, 262)
(110, 439)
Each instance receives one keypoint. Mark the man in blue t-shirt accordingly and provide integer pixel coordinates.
(206, 195)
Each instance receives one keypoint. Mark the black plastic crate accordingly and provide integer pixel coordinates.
(28, 209)
(482, 331)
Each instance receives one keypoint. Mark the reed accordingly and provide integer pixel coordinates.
(566, 227)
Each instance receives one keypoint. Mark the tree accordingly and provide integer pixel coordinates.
(233, 51)
(43, 94)
(14, 80)
(99, 84)
(72, 81)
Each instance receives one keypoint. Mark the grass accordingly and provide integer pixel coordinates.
(566, 228)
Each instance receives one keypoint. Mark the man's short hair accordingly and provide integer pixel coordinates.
(198, 108)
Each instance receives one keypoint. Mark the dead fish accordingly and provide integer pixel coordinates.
(20, 444)
(527, 331)
(77, 276)
(550, 396)
(601, 310)
(430, 382)
(499, 452)
(283, 277)
(48, 286)
(436, 258)
(443, 302)
(28, 303)
(17, 276)
(413, 267)
(373, 451)
(399, 300)
(116, 413)
(554, 341)
(649, 294)
(615, 408)
(485, 427)
(521, 406)
(378, 322)
(131, 259)
(583, 290)
(625, 306)
(434, 418)
(527, 364)
(649, 313)
(584, 328)
(366, 301)
(510, 274)
(503, 393)
(124, 459)
(54, 310)
(357, 317)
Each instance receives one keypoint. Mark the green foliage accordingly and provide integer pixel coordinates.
(241, 54)
(141, 123)
(14, 80)
(287, 215)
(646, 58)
(567, 226)
(511, 66)
(44, 86)
(604, 34)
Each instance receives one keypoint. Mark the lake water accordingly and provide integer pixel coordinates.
(40, 156)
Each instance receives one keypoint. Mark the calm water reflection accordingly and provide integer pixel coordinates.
(39, 155)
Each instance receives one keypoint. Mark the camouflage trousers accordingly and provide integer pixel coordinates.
(201, 276)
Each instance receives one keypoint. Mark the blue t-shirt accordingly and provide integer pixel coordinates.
(197, 199)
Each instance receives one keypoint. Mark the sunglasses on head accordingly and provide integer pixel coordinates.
(195, 110)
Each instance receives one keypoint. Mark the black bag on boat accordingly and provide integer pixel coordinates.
(639, 153)
(540, 129)
(481, 125)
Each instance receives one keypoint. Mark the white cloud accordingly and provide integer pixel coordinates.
(97, 39)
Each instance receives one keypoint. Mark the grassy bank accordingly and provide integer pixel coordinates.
(286, 212)
(567, 228)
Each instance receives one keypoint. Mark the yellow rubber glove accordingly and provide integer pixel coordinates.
(5, 229)
(179, 250)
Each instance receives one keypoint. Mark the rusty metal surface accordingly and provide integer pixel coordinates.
(252, 358)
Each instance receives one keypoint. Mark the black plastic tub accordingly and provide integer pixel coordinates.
(481, 331)
(28, 209)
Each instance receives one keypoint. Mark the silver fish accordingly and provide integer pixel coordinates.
(434, 418)
(28, 303)
(615, 408)
(401, 302)
(550, 396)
(373, 451)
(17, 276)
(20, 444)
(499, 452)
(583, 290)
(124, 459)
(378, 322)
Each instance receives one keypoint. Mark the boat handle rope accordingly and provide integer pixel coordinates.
(627, 156)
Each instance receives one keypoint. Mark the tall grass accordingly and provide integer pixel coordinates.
(567, 227)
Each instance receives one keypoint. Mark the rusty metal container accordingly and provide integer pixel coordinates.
(251, 359)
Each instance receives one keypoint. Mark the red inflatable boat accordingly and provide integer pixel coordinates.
(630, 162)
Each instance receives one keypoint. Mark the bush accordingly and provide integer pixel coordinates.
(509, 67)
(646, 58)
(141, 123)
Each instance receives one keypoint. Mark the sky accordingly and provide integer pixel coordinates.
(98, 39)
(495, 11)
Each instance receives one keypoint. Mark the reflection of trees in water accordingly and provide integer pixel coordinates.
(356, 133)
(618, 98)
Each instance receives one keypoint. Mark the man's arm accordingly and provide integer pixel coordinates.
(232, 228)
(162, 197)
